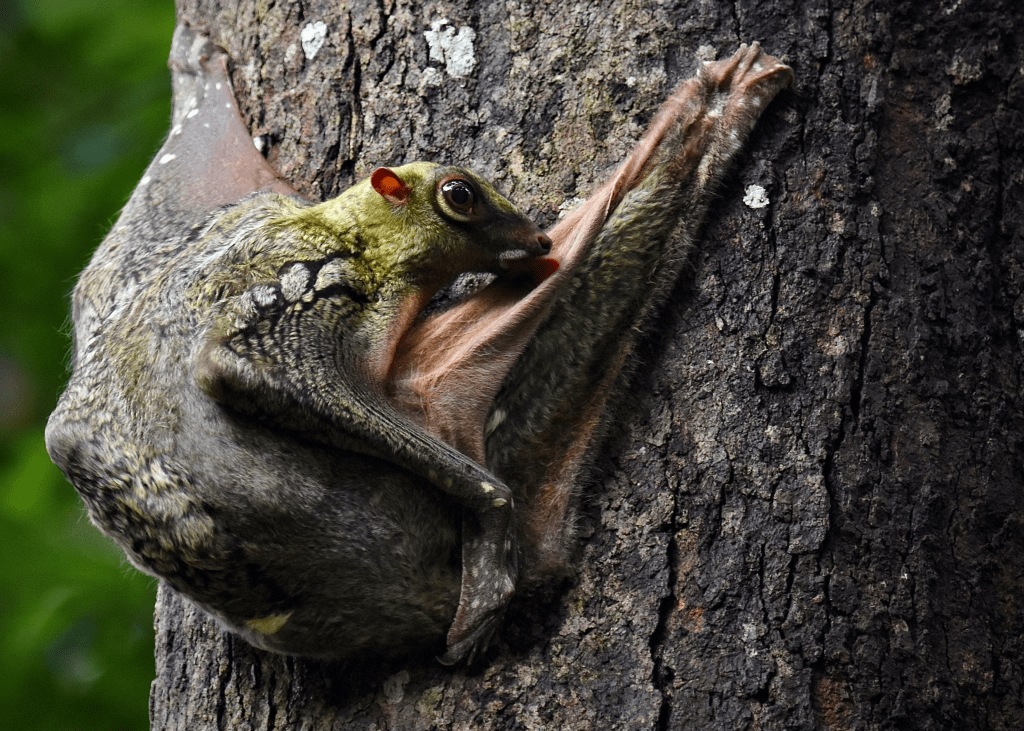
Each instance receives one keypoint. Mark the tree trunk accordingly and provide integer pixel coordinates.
(811, 516)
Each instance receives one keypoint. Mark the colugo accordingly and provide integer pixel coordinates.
(266, 412)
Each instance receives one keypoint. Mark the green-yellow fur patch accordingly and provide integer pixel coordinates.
(268, 625)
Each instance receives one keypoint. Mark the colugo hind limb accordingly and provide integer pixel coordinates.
(262, 414)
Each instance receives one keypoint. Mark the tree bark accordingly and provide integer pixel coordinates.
(811, 514)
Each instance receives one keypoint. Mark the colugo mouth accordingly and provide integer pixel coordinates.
(536, 268)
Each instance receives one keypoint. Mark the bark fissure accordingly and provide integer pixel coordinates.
(662, 675)
(223, 684)
(857, 386)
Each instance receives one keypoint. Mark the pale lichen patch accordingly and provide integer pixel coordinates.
(452, 48)
(755, 196)
(313, 37)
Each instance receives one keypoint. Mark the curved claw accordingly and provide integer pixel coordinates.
(474, 645)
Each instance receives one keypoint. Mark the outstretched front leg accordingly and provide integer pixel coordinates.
(621, 253)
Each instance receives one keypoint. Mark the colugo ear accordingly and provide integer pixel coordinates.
(390, 186)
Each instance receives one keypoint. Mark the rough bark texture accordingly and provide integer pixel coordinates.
(811, 516)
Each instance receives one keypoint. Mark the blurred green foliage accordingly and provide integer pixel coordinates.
(84, 104)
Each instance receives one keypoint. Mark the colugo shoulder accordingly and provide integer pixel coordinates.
(266, 412)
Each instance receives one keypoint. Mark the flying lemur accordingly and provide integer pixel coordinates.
(267, 413)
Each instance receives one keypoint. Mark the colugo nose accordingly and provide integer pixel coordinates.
(543, 243)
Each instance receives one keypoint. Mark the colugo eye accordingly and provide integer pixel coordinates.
(459, 195)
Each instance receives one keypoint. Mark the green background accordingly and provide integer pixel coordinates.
(84, 104)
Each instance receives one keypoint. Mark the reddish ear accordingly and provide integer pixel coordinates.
(389, 185)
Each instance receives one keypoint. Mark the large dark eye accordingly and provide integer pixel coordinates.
(459, 195)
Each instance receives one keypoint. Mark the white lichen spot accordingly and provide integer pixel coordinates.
(499, 502)
(191, 114)
(452, 48)
(394, 687)
(258, 143)
(755, 196)
(166, 158)
(313, 37)
(487, 487)
(145, 180)
(176, 130)
(206, 124)
(217, 87)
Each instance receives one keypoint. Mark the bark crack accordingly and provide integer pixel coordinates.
(856, 388)
(662, 676)
(355, 138)
(735, 13)
(227, 668)
(272, 680)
